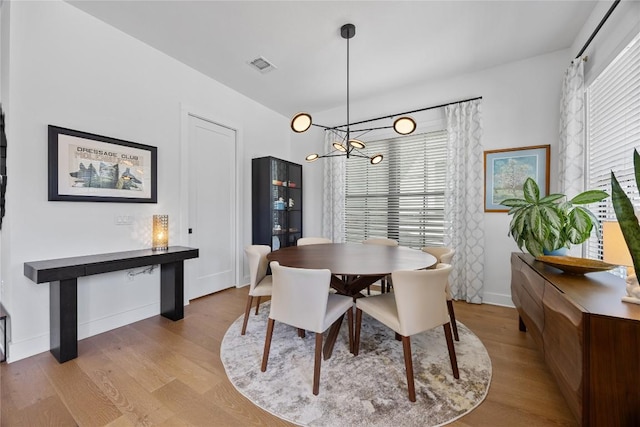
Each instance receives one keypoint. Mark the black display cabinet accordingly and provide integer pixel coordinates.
(276, 187)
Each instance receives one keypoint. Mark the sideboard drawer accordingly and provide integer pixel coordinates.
(563, 345)
(533, 283)
(532, 314)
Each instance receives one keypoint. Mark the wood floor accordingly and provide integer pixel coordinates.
(164, 373)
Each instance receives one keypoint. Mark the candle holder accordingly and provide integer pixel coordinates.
(160, 233)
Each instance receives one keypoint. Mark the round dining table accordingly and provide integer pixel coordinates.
(353, 266)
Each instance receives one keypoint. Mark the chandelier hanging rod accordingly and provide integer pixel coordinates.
(400, 114)
(358, 130)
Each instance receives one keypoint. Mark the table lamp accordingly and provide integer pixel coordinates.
(615, 251)
(160, 233)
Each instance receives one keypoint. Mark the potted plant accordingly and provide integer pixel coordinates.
(628, 221)
(547, 224)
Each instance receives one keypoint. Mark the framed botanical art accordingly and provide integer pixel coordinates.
(84, 167)
(505, 172)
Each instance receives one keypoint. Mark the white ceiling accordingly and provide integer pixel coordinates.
(397, 43)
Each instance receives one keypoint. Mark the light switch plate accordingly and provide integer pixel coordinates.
(123, 219)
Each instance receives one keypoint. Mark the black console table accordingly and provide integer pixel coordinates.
(63, 276)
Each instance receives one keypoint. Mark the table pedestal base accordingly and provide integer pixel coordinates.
(351, 286)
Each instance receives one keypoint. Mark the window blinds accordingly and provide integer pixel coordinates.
(401, 198)
(613, 132)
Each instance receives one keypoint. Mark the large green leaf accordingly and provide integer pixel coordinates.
(553, 242)
(531, 191)
(538, 230)
(551, 198)
(596, 223)
(514, 202)
(580, 220)
(534, 247)
(519, 223)
(551, 216)
(590, 196)
(626, 216)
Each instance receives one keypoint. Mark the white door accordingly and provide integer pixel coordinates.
(212, 206)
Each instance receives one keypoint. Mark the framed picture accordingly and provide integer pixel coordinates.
(84, 167)
(505, 172)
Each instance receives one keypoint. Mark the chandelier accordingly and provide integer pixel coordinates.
(346, 144)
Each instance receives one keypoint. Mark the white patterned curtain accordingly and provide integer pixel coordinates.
(334, 194)
(571, 147)
(464, 200)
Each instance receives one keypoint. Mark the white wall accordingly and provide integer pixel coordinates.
(70, 69)
(520, 108)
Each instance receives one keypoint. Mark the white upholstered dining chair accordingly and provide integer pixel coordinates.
(301, 298)
(260, 285)
(312, 241)
(412, 308)
(445, 255)
(385, 283)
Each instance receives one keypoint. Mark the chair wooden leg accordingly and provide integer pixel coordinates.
(257, 305)
(408, 363)
(316, 364)
(301, 333)
(452, 350)
(246, 315)
(350, 320)
(452, 316)
(267, 345)
(356, 339)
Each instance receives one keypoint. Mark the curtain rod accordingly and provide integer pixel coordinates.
(407, 112)
(604, 19)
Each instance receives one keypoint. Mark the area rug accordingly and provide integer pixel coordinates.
(365, 390)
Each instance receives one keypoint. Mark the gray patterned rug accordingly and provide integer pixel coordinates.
(367, 390)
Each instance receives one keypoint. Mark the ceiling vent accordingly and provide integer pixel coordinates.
(262, 64)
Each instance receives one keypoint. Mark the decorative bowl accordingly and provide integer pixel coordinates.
(573, 265)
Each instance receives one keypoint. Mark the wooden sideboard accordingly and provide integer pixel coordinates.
(589, 337)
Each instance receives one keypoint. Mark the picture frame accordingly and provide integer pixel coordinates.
(84, 167)
(506, 170)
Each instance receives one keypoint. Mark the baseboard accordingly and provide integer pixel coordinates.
(41, 343)
(27, 348)
(117, 320)
(497, 299)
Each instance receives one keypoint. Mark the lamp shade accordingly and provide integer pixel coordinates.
(160, 233)
(301, 122)
(615, 250)
(312, 157)
(339, 147)
(357, 144)
(376, 159)
(404, 125)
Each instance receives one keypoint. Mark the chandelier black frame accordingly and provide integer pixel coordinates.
(345, 144)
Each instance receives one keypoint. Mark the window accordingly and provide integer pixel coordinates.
(613, 132)
(401, 198)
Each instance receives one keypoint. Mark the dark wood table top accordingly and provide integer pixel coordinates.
(353, 259)
(86, 265)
